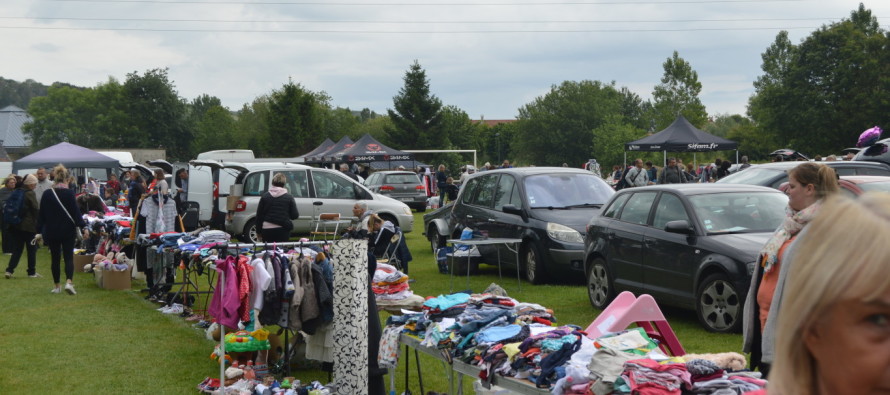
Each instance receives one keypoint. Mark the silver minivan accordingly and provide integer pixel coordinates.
(315, 190)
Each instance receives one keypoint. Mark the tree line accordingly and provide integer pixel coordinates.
(815, 97)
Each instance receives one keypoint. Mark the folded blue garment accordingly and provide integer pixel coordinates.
(445, 302)
(497, 333)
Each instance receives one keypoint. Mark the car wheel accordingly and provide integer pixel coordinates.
(437, 241)
(599, 287)
(532, 264)
(250, 234)
(718, 304)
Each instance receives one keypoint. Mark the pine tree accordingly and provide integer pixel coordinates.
(417, 114)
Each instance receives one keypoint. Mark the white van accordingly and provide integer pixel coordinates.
(209, 184)
(315, 191)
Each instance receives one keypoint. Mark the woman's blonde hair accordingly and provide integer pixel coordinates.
(840, 256)
(60, 174)
(279, 180)
(373, 220)
(823, 178)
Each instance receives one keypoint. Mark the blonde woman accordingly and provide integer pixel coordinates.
(835, 332)
(57, 221)
(808, 185)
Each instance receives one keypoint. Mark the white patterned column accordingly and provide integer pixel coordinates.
(350, 261)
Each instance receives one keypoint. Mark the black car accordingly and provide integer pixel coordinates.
(687, 245)
(774, 174)
(403, 186)
(546, 207)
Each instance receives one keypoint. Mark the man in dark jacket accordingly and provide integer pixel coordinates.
(275, 212)
(671, 174)
(344, 168)
(23, 232)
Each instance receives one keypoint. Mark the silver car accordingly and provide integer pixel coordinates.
(315, 191)
(403, 186)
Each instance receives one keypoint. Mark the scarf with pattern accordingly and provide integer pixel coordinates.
(793, 223)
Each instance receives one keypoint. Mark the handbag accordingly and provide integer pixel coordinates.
(78, 236)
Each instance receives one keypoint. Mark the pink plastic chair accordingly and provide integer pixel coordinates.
(628, 309)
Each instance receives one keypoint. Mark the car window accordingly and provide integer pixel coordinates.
(372, 179)
(752, 176)
(845, 171)
(256, 184)
(485, 191)
(332, 186)
(469, 191)
(297, 183)
(882, 186)
(871, 171)
(740, 212)
(612, 210)
(636, 211)
(669, 208)
(401, 179)
(507, 193)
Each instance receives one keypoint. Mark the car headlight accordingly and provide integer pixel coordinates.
(563, 233)
(406, 210)
(750, 266)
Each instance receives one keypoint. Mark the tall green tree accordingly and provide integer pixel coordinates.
(158, 113)
(678, 94)
(295, 119)
(818, 96)
(251, 125)
(559, 127)
(416, 114)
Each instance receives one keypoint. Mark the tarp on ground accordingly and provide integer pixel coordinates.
(368, 149)
(681, 136)
(321, 149)
(322, 157)
(70, 155)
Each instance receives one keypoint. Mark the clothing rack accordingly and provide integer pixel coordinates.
(222, 290)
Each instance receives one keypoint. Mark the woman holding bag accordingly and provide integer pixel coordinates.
(59, 222)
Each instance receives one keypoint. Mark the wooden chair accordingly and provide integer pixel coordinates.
(323, 224)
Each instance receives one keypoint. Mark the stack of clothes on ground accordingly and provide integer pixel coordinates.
(392, 290)
(502, 336)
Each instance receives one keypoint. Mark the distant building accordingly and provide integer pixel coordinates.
(12, 138)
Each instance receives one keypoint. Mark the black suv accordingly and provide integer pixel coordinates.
(546, 207)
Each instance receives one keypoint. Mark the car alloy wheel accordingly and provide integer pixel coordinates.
(534, 270)
(719, 306)
(598, 288)
(250, 234)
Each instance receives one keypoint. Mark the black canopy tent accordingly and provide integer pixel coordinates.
(317, 156)
(367, 150)
(321, 149)
(681, 136)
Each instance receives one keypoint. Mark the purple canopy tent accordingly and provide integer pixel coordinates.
(70, 155)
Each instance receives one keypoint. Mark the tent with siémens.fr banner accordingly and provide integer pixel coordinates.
(681, 136)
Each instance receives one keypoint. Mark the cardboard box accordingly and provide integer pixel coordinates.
(82, 260)
(115, 280)
(231, 202)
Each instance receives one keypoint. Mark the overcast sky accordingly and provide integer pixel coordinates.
(487, 57)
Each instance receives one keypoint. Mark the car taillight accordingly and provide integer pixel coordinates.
(420, 188)
(387, 188)
(240, 206)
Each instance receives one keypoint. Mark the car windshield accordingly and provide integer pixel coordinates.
(566, 190)
(740, 212)
(751, 176)
(883, 186)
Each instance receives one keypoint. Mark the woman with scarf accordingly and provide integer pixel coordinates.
(808, 185)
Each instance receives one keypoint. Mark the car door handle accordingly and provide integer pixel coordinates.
(318, 203)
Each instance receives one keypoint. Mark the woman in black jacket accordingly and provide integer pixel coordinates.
(275, 211)
(57, 221)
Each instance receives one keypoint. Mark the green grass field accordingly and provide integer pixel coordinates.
(101, 341)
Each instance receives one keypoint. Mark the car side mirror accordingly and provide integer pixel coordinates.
(680, 226)
(511, 209)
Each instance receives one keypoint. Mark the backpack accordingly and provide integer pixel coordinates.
(12, 209)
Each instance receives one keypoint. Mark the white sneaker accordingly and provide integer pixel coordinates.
(35, 275)
(8, 275)
(56, 290)
(69, 288)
